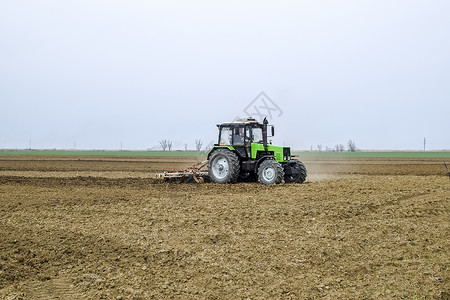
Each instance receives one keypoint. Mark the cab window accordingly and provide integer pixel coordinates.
(256, 135)
(225, 136)
(238, 136)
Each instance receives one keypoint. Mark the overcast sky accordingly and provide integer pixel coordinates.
(98, 74)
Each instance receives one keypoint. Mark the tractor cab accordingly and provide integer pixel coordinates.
(241, 134)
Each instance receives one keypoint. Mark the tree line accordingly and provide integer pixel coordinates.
(351, 146)
(167, 145)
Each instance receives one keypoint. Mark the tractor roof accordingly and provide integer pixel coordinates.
(241, 121)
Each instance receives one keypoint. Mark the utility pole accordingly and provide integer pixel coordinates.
(424, 143)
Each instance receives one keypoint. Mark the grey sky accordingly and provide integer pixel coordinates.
(99, 73)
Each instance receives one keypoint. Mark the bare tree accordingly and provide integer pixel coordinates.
(198, 144)
(166, 144)
(351, 146)
(328, 149)
(163, 144)
(339, 147)
(319, 147)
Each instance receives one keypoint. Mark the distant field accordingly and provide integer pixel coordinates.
(361, 154)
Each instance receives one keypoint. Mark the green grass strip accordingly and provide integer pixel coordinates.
(305, 154)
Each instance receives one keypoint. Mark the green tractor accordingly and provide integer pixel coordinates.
(243, 154)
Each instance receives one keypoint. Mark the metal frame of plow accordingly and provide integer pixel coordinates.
(191, 173)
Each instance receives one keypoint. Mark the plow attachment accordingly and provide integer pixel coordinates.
(192, 173)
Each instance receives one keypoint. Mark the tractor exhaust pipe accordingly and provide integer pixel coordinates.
(264, 132)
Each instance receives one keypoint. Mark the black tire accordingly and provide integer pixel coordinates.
(223, 166)
(300, 177)
(270, 172)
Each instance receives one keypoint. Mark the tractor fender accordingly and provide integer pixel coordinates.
(231, 148)
(261, 159)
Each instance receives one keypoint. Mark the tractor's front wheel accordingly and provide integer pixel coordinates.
(223, 166)
(270, 172)
(300, 174)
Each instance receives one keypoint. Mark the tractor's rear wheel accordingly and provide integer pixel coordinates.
(300, 177)
(270, 172)
(223, 166)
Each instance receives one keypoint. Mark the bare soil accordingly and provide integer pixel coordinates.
(104, 228)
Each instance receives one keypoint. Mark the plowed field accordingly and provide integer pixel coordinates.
(104, 228)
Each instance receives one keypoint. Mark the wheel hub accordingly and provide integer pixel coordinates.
(220, 167)
(269, 173)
